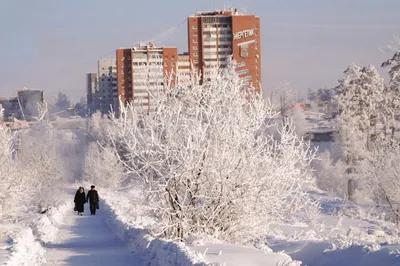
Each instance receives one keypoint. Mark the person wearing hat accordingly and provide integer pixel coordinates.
(93, 199)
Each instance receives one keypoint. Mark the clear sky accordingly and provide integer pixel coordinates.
(51, 44)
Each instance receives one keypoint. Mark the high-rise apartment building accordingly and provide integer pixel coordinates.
(215, 36)
(92, 92)
(107, 85)
(142, 69)
(184, 70)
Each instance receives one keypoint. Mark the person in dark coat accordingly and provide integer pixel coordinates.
(93, 199)
(80, 200)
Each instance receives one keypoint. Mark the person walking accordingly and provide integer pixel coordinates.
(80, 200)
(93, 199)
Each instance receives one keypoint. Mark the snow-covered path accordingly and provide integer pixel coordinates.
(86, 240)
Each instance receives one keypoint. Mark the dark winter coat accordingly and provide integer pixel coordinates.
(79, 200)
(93, 197)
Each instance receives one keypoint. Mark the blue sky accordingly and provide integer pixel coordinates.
(51, 44)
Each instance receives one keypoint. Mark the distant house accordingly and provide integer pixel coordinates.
(25, 106)
(30, 100)
(11, 108)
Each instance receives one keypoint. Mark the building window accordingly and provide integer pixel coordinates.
(248, 78)
(195, 48)
(244, 51)
(194, 40)
(194, 27)
(242, 72)
(195, 54)
(241, 64)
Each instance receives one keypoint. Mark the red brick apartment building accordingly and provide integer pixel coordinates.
(215, 36)
(142, 68)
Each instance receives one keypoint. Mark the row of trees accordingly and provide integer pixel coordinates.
(367, 121)
(35, 165)
(319, 96)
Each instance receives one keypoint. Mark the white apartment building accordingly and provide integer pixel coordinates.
(107, 86)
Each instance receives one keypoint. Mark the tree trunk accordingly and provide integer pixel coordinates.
(350, 181)
(350, 190)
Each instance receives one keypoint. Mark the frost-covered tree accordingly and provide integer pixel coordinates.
(312, 95)
(382, 172)
(97, 128)
(103, 167)
(6, 176)
(206, 162)
(358, 98)
(391, 101)
(331, 174)
(286, 99)
(299, 121)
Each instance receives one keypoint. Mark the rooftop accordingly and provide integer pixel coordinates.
(225, 12)
(148, 46)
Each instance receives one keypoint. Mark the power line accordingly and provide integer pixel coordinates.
(327, 26)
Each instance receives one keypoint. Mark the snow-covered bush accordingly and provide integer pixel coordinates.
(103, 167)
(35, 165)
(299, 121)
(382, 176)
(330, 174)
(9, 180)
(206, 163)
(97, 129)
(39, 155)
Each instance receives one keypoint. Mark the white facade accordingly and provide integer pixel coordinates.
(147, 75)
(107, 85)
(217, 43)
(183, 70)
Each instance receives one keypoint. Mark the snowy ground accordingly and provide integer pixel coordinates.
(128, 220)
(117, 235)
(86, 240)
(234, 255)
(3, 249)
(346, 235)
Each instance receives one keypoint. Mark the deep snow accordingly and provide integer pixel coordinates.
(118, 235)
(128, 222)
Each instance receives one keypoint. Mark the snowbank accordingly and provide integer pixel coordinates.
(26, 242)
(25, 249)
(321, 254)
(154, 251)
(127, 222)
(46, 228)
(235, 255)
